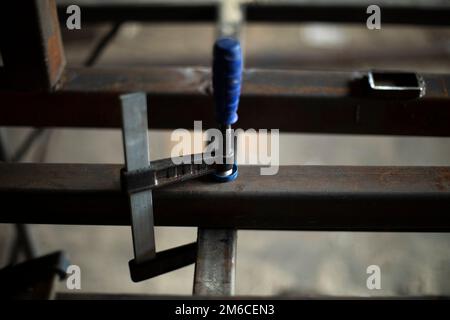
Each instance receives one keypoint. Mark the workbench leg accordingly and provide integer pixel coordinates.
(216, 262)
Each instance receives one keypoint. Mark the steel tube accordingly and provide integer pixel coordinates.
(216, 262)
(325, 102)
(297, 198)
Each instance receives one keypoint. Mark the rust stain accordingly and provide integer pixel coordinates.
(55, 53)
(54, 57)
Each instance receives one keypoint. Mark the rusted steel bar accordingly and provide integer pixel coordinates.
(304, 101)
(31, 44)
(216, 262)
(297, 198)
(432, 12)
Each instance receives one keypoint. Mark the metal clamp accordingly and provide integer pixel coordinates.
(139, 178)
(164, 172)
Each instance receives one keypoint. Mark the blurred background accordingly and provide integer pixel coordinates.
(268, 262)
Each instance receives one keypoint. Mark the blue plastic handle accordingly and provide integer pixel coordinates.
(227, 78)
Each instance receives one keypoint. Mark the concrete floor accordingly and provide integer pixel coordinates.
(307, 263)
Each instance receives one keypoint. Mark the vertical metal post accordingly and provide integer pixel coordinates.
(31, 44)
(215, 268)
(135, 142)
(216, 262)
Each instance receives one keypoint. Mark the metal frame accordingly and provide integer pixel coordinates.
(304, 198)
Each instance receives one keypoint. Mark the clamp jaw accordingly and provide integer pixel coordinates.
(140, 176)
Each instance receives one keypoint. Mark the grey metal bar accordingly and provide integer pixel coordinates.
(135, 141)
(216, 262)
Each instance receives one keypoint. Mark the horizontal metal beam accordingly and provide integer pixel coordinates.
(297, 198)
(399, 12)
(295, 101)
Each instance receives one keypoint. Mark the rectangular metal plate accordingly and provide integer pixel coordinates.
(135, 140)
